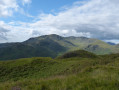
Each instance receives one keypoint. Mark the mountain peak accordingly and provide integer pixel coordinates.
(52, 36)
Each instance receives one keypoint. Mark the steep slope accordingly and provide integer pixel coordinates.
(56, 38)
(45, 48)
(53, 45)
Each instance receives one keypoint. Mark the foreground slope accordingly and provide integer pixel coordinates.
(74, 73)
(53, 46)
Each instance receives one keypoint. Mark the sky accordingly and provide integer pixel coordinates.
(23, 19)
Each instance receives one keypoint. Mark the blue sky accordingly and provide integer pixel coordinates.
(37, 7)
(23, 19)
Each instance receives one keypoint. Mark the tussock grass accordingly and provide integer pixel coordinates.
(74, 73)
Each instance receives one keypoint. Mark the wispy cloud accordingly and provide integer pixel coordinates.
(26, 2)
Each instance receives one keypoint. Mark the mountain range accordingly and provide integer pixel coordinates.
(52, 46)
(70, 67)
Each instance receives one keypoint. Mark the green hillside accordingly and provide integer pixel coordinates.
(78, 53)
(53, 46)
(85, 71)
(45, 48)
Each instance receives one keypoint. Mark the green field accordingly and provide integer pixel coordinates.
(87, 72)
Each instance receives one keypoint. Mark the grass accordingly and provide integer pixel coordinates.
(74, 73)
(100, 78)
(78, 53)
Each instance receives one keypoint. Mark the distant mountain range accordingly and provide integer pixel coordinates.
(52, 46)
(111, 43)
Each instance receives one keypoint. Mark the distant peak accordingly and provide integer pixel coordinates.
(50, 35)
(84, 37)
(54, 35)
(111, 43)
(73, 37)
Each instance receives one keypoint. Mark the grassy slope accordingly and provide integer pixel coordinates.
(93, 45)
(74, 73)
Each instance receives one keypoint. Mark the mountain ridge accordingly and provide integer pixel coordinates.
(52, 46)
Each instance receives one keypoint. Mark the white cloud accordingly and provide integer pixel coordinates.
(8, 7)
(98, 18)
(3, 32)
(26, 2)
(92, 18)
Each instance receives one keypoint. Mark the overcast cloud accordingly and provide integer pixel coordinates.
(92, 18)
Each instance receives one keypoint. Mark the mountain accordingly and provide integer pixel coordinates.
(46, 48)
(111, 43)
(52, 46)
(81, 70)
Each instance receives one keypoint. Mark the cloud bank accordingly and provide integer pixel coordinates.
(90, 18)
